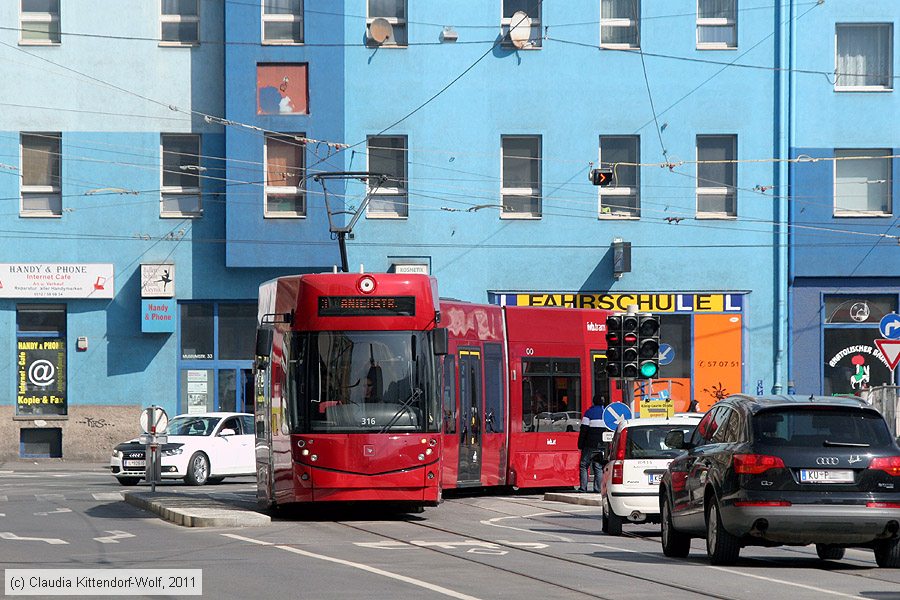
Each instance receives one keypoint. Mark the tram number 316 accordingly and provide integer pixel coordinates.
(368, 421)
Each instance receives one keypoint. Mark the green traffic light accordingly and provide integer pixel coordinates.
(649, 369)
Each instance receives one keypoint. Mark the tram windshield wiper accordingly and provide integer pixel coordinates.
(404, 407)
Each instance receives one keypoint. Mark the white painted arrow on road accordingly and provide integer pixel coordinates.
(6, 535)
(115, 537)
(53, 512)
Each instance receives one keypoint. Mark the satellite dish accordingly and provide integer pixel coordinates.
(379, 30)
(520, 29)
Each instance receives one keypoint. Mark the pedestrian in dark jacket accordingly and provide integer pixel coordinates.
(591, 444)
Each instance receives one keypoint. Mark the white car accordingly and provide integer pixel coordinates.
(202, 448)
(637, 460)
(557, 421)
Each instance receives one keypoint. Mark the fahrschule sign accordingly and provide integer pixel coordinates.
(56, 280)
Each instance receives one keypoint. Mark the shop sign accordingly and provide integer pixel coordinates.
(41, 376)
(651, 303)
(852, 362)
(158, 280)
(56, 280)
(158, 316)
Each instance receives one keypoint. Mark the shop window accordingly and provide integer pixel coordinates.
(675, 332)
(41, 359)
(841, 308)
(852, 363)
(551, 394)
(197, 332)
(237, 331)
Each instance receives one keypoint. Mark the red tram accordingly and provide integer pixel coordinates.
(370, 388)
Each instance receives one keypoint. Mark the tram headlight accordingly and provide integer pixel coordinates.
(305, 452)
(301, 443)
(314, 457)
(421, 457)
(429, 451)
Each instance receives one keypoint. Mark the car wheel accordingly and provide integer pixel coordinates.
(612, 523)
(128, 480)
(721, 547)
(674, 543)
(829, 552)
(887, 553)
(198, 469)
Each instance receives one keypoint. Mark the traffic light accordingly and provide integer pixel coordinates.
(614, 346)
(648, 346)
(630, 346)
(601, 177)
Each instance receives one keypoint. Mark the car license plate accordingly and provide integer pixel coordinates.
(654, 478)
(134, 463)
(826, 476)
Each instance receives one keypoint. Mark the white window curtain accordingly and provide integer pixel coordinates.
(862, 184)
(864, 56)
(717, 23)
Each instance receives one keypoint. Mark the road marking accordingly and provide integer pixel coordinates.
(108, 496)
(115, 537)
(362, 567)
(4, 498)
(49, 497)
(494, 523)
(6, 535)
(386, 545)
(53, 512)
(478, 547)
(732, 571)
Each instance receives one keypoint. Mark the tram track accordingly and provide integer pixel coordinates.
(666, 585)
(792, 549)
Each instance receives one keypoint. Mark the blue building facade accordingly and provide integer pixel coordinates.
(225, 145)
(844, 140)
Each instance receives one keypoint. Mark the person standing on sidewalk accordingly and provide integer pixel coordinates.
(591, 444)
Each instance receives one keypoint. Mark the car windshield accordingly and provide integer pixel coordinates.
(649, 441)
(192, 425)
(820, 427)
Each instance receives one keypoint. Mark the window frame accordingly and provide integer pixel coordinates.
(298, 192)
(178, 19)
(52, 191)
(525, 192)
(615, 190)
(701, 190)
(843, 212)
(384, 192)
(624, 22)
(165, 190)
(395, 21)
(717, 22)
(535, 41)
(280, 18)
(889, 86)
(28, 17)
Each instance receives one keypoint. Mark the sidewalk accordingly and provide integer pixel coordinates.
(199, 510)
(584, 499)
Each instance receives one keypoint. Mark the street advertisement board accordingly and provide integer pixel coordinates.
(56, 280)
(41, 376)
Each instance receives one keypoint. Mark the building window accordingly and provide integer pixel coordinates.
(716, 24)
(862, 182)
(41, 359)
(41, 175)
(716, 176)
(392, 11)
(282, 21)
(532, 8)
(623, 197)
(864, 56)
(387, 156)
(521, 192)
(39, 22)
(282, 89)
(180, 175)
(620, 23)
(179, 23)
(284, 158)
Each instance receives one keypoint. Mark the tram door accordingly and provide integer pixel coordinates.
(471, 411)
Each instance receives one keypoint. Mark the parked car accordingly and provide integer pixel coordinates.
(637, 460)
(557, 421)
(773, 470)
(201, 448)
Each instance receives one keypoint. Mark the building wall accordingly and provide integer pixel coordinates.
(852, 257)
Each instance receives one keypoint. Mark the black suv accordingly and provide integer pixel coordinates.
(773, 470)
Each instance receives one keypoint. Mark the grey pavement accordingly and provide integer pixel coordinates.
(582, 498)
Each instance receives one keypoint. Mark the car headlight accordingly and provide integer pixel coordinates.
(172, 451)
(116, 454)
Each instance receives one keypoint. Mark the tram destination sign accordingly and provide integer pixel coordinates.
(367, 306)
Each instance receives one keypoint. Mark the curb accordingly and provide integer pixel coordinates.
(194, 512)
(582, 499)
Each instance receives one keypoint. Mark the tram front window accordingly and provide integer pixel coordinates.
(369, 382)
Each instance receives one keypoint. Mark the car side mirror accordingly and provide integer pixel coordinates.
(675, 439)
(441, 341)
(227, 432)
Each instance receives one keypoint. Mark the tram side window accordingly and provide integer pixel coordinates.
(551, 394)
(448, 393)
(494, 418)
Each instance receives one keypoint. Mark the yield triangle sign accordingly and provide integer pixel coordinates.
(890, 350)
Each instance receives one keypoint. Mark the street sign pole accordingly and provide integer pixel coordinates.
(154, 421)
